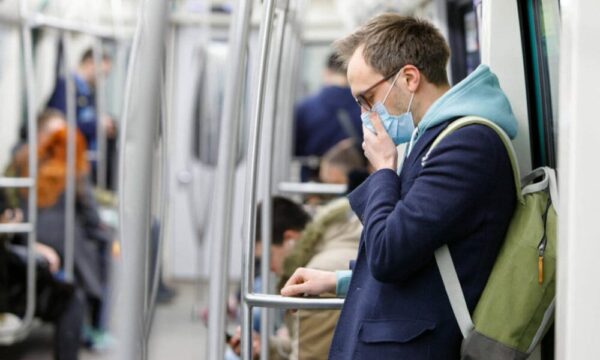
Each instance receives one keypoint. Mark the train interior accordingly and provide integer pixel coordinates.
(171, 182)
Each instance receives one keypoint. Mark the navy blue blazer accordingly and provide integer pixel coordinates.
(396, 306)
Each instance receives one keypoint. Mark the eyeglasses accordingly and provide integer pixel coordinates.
(361, 99)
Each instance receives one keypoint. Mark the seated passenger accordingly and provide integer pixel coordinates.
(344, 163)
(93, 239)
(56, 301)
(326, 243)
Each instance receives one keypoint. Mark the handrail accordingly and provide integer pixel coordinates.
(70, 192)
(41, 20)
(283, 105)
(15, 182)
(101, 141)
(284, 302)
(135, 163)
(163, 209)
(24, 328)
(230, 125)
(251, 299)
(252, 163)
(312, 188)
(267, 157)
(16, 228)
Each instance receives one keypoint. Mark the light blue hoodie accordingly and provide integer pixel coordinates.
(478, 94)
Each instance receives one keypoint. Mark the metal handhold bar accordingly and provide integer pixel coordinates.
(140, 123)
(70, 188)
(312, 188)
(7, 337)
(13, 182)
(250, 201)
(267, 156)
(284, 302)
(16, 228)
(230, 125)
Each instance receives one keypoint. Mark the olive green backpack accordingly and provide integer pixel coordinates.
(516, 307)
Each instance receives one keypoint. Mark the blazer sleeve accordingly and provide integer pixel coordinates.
(400, 236)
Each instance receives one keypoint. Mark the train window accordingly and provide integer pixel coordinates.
(540, 30)
(463, 38)
(210, 89)
(540, 26)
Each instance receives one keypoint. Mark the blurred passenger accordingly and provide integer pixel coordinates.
(325, 118)
(56, 301)
(86, 113)
(344, 164)
(93, 239)
(339, 161)
(328, 242)
(462, 195)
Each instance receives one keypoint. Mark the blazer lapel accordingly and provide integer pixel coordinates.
(421, 146)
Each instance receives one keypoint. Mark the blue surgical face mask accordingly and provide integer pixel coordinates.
(399, 127)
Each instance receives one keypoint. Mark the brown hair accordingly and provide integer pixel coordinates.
(392, 41)
(345, 155)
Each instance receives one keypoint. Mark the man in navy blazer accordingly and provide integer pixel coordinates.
(463, 195)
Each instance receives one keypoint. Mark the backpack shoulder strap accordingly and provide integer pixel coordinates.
(476, 120)
(443, 257)
(454, 290)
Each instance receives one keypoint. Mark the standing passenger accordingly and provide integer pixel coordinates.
(86, 113)
(396, 306)
(326, 118)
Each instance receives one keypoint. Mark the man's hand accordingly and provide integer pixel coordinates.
(236, 341)
(50, 255)
(309, 282)
(379, 147)
(109, 126)
(11, 216)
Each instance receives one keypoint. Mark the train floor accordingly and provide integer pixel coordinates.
(176, 333)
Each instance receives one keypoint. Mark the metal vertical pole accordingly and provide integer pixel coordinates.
(253, 150)
(290, 75)
(166, 98)
(577, 313)
(294, 79)
(282, 101)
(101, 160)
(70, 192)
(32, 167)
(140, 126)
(155, 273)
(267, 156)
(228, 142)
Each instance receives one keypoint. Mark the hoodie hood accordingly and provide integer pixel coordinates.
(479, 94)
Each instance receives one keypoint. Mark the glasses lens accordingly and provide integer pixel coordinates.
(360, 99)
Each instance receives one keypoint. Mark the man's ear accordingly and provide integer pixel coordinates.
(412, 76)
(291, 235)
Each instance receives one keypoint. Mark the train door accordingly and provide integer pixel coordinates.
(197, 65)
(200, 59)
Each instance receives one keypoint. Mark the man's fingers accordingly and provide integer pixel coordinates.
(377, 124)
(368, 134)
(296, 278)
(295, 290)
(18, 216)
